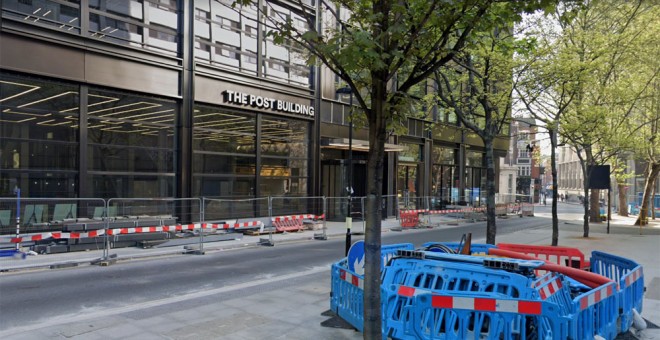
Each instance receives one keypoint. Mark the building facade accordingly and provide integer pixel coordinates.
(183, 98)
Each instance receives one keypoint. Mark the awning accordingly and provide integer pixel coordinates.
(357, 145)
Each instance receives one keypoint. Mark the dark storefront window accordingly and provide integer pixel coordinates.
(285, 156)
(225, 162)
(445, 177)
(224, 157)
(475, 178)
(130, 145)
(38, 137)
(62, 15)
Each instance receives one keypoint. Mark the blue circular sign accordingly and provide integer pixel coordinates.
(355, 258)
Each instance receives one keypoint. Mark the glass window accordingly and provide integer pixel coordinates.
(125, 8)
(129, 133)
(410, 153)
(60, 14)
(285, 161)
(131, 186)
(114, 30)
(283, 137)
(474, 158)
(38, 136)
(124, 22)
(219, 131)
(286, 61)
(443, 155)
(162, 12)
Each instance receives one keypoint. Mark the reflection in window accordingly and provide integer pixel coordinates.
(63, 15)
(284, 146)
(123, 22)
(38, 136)
(224, 156)
(128, 133)
(234, 32)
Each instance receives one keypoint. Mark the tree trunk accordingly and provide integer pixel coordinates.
(372, 237)
(623, 204)
(553, 169)
(491, 226)
(652, 172)
(653, 199)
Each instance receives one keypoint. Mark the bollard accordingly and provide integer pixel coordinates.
(17, 191)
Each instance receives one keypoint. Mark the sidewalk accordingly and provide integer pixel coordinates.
(289, 312)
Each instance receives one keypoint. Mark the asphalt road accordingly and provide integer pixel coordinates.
(39, 297)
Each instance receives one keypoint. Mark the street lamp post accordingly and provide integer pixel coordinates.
(349, 171)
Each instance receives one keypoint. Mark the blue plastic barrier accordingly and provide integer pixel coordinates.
(475, 248)
(475, 316)
(596, 313)
(346, 297)
(552, 287)
(443, 277)
(437, 295)
(630, 277)
(347, 287)
(12, 253)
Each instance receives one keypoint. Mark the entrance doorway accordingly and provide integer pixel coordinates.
(408, 186)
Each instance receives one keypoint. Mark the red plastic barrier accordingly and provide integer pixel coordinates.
(550, 254)
(589, 279)
(409, 219)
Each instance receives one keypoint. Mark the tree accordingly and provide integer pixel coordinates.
(382, 50)
(546, 86)
(603, 39)
(477, 87)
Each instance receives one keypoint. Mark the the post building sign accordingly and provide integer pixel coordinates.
(240, 98)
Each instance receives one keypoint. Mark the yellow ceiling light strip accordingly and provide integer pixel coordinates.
(149, 106)
(32, 88)
(48, 98)
(26, 113)
(111, 99)
(17, 121)
(147, 114)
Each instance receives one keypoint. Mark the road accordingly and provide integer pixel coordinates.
(43, 297)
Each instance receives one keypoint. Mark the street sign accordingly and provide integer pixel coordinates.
(355, 258)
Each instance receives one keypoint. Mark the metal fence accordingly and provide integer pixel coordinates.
(29, 220)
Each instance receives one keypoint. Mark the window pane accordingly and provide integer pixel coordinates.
(115, 30)
(38, 124)
(224, 164)
(218, 131)
(125, 8)
(282, 137)
(65, 16)
(131, 186)
(129, 133)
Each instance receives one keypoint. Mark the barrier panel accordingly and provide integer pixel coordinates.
(565, 256)
(236, 215)
(596, 313)
(52, 225)
(292, 213)
(347, 287)
(630, 277)
(223, 209)
(464, 274)
(151, 221)
(471, 316)
(409, 218)
(389, 206)
(408, 202)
